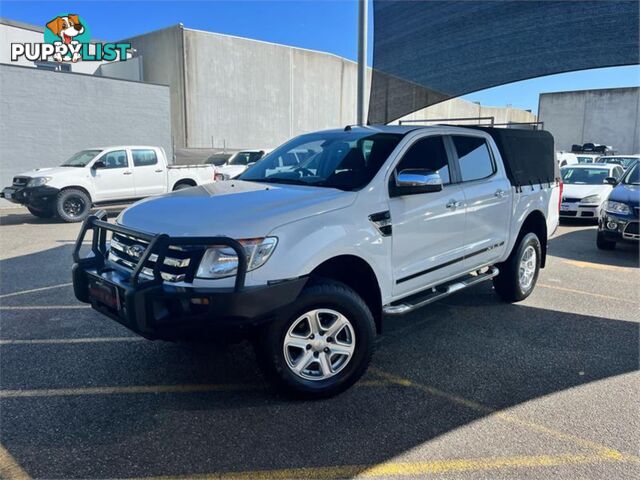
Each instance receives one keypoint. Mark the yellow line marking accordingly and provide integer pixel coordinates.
(582, 292)
(399, 469)
(45, 307)
(35, 290)
(142, 389)
(9, 468)
(596, 266)
(64, 341)
(603, 450)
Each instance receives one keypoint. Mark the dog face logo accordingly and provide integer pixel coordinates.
(66, 30)
(66, 27)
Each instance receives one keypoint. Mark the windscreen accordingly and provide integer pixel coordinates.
(584, 176)
(81, 159)
(344, 160)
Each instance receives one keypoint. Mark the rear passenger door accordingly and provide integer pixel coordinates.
(488, 197)
(150, 176)
(428, 228)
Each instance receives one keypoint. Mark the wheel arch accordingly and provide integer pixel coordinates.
(535, 223)
(184, 181)
(357, 274)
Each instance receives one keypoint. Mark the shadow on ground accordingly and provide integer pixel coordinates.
(23, 217)
(580, 244)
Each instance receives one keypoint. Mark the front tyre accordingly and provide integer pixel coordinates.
(603, 244)
(321, 345)
(519, 273)
(73, 205)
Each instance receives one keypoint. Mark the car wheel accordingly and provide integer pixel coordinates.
(321, 345)
(42, 213)
(73, 205)
(603, 244)
(519, 273)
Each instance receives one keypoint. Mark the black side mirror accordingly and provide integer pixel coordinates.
(611, 180)
(98, 164)
(414, 181)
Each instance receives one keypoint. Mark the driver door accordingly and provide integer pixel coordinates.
(113, 181)
(428, 228)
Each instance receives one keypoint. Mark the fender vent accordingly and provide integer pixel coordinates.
(382, 222)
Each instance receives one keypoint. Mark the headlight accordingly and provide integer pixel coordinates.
(37, 181)
(617, 207)
(221, 261)
(591, 199)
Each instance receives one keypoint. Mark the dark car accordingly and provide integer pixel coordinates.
(619, 216)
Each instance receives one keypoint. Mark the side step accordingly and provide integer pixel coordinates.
(434, 294)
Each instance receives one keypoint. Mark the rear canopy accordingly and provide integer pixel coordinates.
(528, 155)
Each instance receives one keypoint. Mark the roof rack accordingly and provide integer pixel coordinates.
(477, 121)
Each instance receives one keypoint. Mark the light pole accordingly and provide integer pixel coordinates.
(362, 59)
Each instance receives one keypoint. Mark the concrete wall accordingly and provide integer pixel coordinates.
(163, 63)
(46, 116)
(607, 116)
(460, 108)
(243, 93)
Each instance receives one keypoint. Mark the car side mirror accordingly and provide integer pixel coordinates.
(98, 164)
(611, 180)
(414, 181)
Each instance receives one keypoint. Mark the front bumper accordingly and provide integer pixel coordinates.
(617, 227)
(36, 197)
(578, 210)
(157, 310)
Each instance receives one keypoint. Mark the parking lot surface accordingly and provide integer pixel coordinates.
(466, 388)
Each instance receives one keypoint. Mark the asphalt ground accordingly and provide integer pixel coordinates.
(467, 388)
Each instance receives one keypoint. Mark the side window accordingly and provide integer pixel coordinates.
(429, 153)
(474, 158)
(143, 158)
(115, 159)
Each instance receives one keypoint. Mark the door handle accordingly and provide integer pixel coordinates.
(159, 171)
(453, 204)
(126, 173)
(500, 193)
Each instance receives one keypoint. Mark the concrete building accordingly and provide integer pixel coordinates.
(460, 108)
(241, 93)
(607, 116)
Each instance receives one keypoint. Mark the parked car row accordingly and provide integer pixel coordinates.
(607, 193)
(568, 158)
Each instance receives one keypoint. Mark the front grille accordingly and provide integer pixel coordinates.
(631, 228)
(568, 214)
(570, 200)
(587, 214)
(126, 251)
(20, 181)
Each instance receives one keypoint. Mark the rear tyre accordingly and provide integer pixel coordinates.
(519, 273)
(182, 186)
(42, 213)
(320, 345)
(603, 244)
(73, 205)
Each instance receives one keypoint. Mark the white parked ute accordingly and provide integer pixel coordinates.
(309, 259)
(98, 176)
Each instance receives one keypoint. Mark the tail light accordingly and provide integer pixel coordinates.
(561, 185)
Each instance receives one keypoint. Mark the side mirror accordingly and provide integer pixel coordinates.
(611, 180)
(413, 181)
(98, 164)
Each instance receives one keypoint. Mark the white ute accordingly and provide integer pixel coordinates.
(98, 176)
(309, 258)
